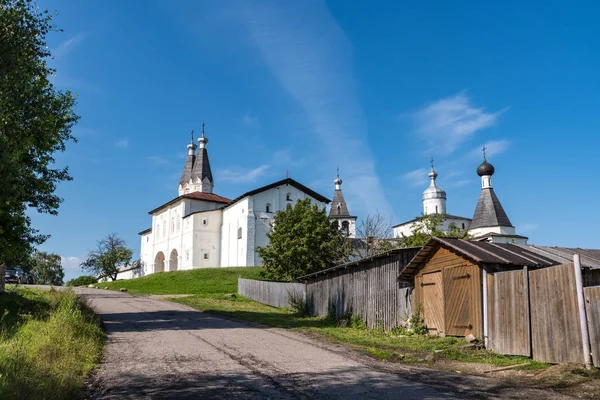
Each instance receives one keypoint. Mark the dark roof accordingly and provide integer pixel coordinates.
(215, 198)
(590, 258)
(485, 169)
(489, 211)
(187, 169)
(201, 211)
(338, 205)
(287, 181)
(478, 252)
(448, 216)
(352, 264)
(494, 234)
(201, 168)
(145, 231)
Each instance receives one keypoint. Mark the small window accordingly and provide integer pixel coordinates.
(242, 210)
(147, 239)
(346, 227)
(206, 256)
(187, 255)
(172, 224)
(158, 230)
(204, 221)
(288, 197)
(436, 209)
(339, 209)
(239, 233)
(268, 207)
(463, 225)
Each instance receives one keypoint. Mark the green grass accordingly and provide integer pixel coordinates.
(205, 281)
(376, 343)
(49, 343)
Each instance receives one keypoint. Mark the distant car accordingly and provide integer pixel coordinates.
(11, 276)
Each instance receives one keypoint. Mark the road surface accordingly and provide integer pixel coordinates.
(159, 349)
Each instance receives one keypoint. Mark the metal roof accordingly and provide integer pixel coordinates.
(479, 253)
(590, 258)
(338, 200)
(287, 181)
(358, 262)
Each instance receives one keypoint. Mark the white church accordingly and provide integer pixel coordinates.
(489, 223)
(200, 229)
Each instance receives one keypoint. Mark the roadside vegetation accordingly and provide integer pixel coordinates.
(205, 282)
(83, 280)
(50, 341)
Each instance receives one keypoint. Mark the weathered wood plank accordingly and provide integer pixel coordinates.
(274, 294)
(592, 310)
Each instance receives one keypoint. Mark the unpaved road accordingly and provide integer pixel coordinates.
(158, 349)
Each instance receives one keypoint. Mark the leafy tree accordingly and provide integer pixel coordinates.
(47, 268)
(427, 226)
(35, 123)
(83, 280)
(303, 240)
(111, 254)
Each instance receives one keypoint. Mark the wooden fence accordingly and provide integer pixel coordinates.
(367, 289)
(592, 310)
(535, 313)
(275, 294)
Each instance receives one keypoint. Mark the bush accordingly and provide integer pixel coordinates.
(82, 281)
(417, 322)
(298, 304)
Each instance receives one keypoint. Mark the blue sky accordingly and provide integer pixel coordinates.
(374, 88)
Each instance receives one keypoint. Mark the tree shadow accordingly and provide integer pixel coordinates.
(16, 308)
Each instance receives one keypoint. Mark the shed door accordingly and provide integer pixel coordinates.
(458, 283)
(433, 302)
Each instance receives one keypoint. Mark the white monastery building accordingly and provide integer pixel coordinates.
(200, 229)
(434, 202)
(489, 223)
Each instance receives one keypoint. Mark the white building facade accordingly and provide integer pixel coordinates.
(434, 202)
(200, 229)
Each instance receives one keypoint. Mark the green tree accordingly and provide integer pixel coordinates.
(111, 254)
(35, 123)
(83, 280)
(427, 226)
(302, 240)
(47, 268)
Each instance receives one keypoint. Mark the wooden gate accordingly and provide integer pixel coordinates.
(555, 329)
(433, 302)
(462, 300)
(592, 309)
(508, 313)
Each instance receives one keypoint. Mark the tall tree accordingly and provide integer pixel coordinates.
(47, 268)
(303, 240)
(111, 254)
(375, 234)
(35, 123)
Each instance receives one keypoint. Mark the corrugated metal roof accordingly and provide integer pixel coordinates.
(480, 253)
(590, 258)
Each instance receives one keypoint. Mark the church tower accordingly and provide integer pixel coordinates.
(490, 222)
(434, 197)
(196, 176)
(202, 179)
(339, 209)
(186, 176)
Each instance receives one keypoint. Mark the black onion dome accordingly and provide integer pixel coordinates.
(485, 169)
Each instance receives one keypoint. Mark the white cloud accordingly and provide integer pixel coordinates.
(527, 227)
(158, 160)
(71, 263)
(312, 59)
(492, 148)
(241, 175)
(418, 177)
(63, 49)
(448, 122)
(122, 144)
(250, 120)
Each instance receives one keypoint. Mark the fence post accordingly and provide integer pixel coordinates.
(585, 335)
(485, 310)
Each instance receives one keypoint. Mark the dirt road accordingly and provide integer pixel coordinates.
(158, 349)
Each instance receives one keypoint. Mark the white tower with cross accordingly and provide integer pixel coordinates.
(434, 197)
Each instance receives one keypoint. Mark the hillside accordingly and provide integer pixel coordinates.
(205, 281)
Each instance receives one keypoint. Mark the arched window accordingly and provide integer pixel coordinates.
(346, 227)
(339, 209)
(165, 229)
(178, 222)
(436, 209)
(268, 207)
(158, 230)
(288, 197)
(239, 233)
(172, 224)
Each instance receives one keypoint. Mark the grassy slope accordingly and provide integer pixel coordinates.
(205, 281)
(49, 343)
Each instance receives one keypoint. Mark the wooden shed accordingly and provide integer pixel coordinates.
(447, 275)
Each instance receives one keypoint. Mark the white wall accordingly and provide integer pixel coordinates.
(233, 250)
(202, 248)
(408, 228)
